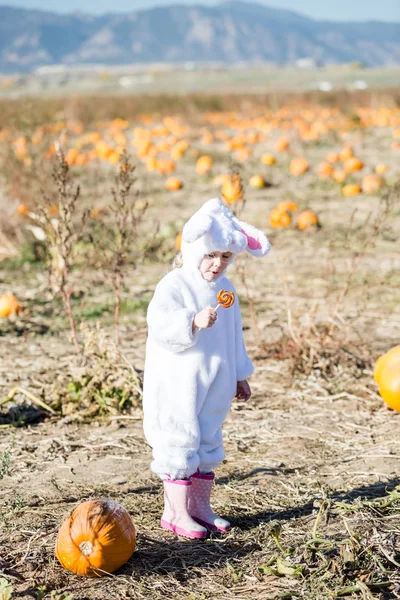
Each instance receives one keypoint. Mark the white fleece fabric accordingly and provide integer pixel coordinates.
(190, 379)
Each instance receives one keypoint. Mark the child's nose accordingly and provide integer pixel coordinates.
(217, 261)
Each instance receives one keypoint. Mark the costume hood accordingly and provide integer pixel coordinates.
(214, 228)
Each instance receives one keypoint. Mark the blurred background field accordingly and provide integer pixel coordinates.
(194, 79)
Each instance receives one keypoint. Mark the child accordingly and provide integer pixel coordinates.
(196, 362)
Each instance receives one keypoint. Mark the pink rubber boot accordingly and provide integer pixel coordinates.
(176, 517)
(199, 503)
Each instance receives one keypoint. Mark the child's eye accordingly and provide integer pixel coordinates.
(226, 257)
(211, 255)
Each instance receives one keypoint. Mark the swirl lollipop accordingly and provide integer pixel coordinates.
(225, 299)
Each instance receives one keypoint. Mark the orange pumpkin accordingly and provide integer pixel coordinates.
(232, 189)
(346, 153)
(22, 209)
(387, 376)
(279, 218)
(307, 219)
(178, 241)
(257, 182)
(371, 184)
(203, 164)
(288, 206)
(71, 156)
(98, 537)
(353, 164)
(392, 354)
(325, 170)
(9, 306)
(339, 175)
(282, 144)
(173, 183)
(298, 166)
(381, 168)
(332, 157)
(351, 190)
(267, 159)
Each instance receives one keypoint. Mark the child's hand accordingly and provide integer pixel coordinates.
(243, 391)
(205, 318)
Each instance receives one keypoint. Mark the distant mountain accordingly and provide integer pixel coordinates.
(230, 32)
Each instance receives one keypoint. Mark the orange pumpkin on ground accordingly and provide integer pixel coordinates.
(173, 183)
(22, 209)
(371, 184)
(267, 159)
(203, 164)
(339, 175)
(298, 166)
(353, 164)
(346, 153)
(178, 241)
(9, 305)
(381, 168)
(98, 537)
(325, 170)
(279, 218)
(232, 189)
(282, 144)
(351, 190)
(257, 182)
(288, 205)
(387, 376)
(332, 157)
(307, 219)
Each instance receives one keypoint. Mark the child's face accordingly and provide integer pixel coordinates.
(213, 264)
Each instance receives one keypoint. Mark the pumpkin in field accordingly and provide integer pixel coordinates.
(371, 184)
(279, 218)
(353, 164)
(282, 144)
(98, 537)
(257, 182)
(232, 189)
(346, 153)
(203, 164)
(325, 170)
(339, 175)
(288, 206)
(267, 159)
(178, 241)
(306, 220)
(298, 166)
(351, 189)
(387, 376)
(381, 168)
(173, 183)
(9, 306)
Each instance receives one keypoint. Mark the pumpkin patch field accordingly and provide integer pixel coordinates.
(94, 193)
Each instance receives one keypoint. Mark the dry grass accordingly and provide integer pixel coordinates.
(310, 480)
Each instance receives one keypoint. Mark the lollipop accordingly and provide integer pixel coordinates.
(225, 299)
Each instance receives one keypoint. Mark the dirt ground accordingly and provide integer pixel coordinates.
(310, 481)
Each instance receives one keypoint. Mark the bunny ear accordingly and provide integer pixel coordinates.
(257, 242)
(196, 227)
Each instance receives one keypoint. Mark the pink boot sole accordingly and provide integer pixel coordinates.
(184, 532)
(210, 526)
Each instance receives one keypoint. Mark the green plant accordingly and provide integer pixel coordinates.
(6, 589)
(5, 463)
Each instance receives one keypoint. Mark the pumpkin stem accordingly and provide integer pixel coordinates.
(86, 548)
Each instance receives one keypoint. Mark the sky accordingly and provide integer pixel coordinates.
(334, 10)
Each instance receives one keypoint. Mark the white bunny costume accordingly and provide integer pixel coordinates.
(190, 379)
